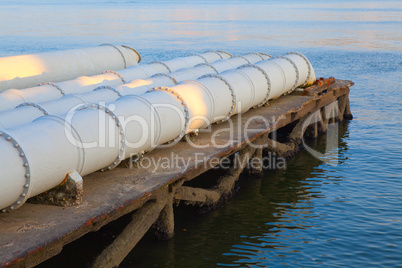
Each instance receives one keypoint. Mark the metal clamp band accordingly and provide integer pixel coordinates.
(25, 190)
(121, 53)
(122, 143)
(307, 62)
(115, 73)
(186, 111)
(296, 69)
(164, 64)
(238, 56)
(139, 55)
(209, 65)
(222, 51)
(216, 52)
(41, 108)
(266, 77)
(232, 93)
(166, 75)
(265, 54)
(255, 53)
(110, 88)
(53, 85)
(202, 57)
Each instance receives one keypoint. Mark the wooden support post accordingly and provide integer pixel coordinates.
(143, 219)
(347, 113)
(256, 163)
(226, 183)
(201, 197)
(342, 106)
(164, 226)
(323, 124)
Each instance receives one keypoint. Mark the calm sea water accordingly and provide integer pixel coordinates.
(312, 214)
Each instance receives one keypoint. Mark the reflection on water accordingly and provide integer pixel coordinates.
(272, 221)
(45, 25)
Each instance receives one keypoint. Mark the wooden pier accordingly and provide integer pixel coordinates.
(36, 232)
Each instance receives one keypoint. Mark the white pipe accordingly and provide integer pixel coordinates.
(37, 156)
(29, 111)
(24, 71)
(50, 91)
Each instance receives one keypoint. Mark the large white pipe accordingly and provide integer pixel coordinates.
(29, 111)
(37, 156)
(24, 71)
(49, 91)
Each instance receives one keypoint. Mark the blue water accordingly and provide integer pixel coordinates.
(310, 215)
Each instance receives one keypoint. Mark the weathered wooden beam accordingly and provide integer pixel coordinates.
(143, 219)
(255, 167)
(201, 197)
(226, 183)
(197, 196)
(164, 226)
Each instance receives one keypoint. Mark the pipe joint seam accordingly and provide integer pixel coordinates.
(296, 70)
(265, 100)
(185, 107)
(110, 88)
(216, 52)
(209, 65)
(166, 75)
(35, 105)
(239, 56)
(308, 65)
(162, 63)
(26, 188)
(118, 49)
(135, 51)
(122, 142)
(265, 54)
(232, 93)
(202, 57)
(53, 85)
(225, 52)
(255, 53)
(115, 73)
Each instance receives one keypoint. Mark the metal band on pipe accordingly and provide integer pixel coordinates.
(222, 51)
(202, 57)
(265, 54)
(166, 75)
(209, 65)
(266, 77)
(232, 93)
(307, 62)
(122, 142)
(242, 58)
(53, 85)
(25, 189)
(255, 53)
(186, 111)
(216, 52)
(110, 88)
(144, 100)
(35, 105)
(136, 52)
(296, 69)
(121, 53)
(115, 73)
(162, 63)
